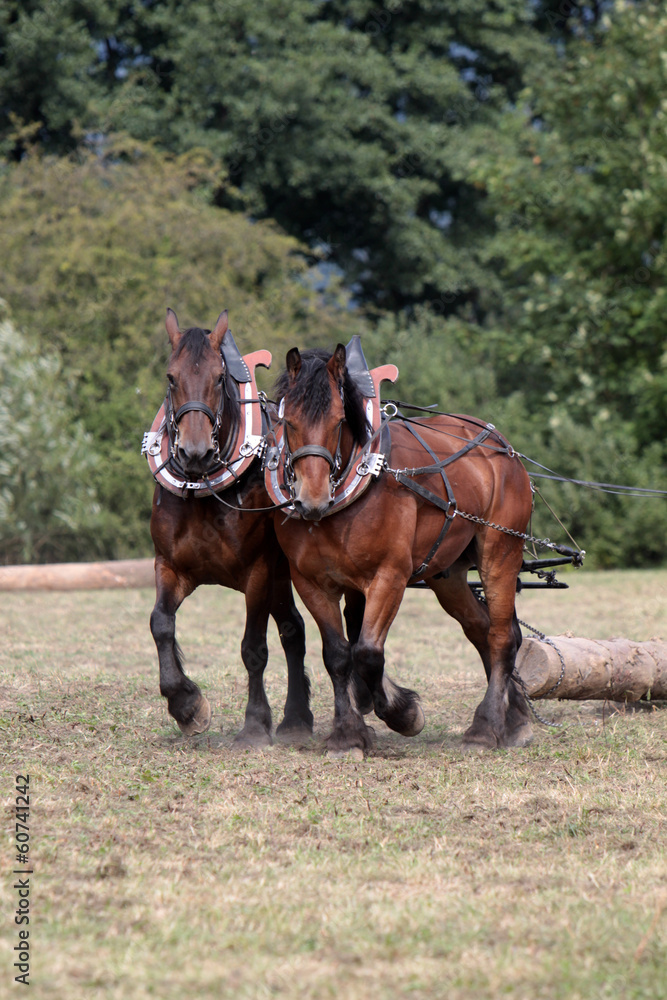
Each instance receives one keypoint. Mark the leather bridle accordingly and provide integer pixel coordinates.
(319, 451)
(173, 419)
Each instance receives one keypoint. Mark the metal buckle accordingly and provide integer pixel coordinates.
(272, 458)
(152, 443)
(371, 465)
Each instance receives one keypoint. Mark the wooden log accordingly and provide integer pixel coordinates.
(614, 669)
(79, 576)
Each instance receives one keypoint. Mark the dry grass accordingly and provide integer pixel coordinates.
(166, 867)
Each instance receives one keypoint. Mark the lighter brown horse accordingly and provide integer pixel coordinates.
(393, 536)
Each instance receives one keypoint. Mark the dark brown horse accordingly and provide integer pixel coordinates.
(201, 540)
(431, 525)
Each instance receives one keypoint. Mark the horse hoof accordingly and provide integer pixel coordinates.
(520, 737)
(200, 721)
(406, 719)
(416, 723)
(354, 754)
(294, 735)
(479, 739)
(253, 740)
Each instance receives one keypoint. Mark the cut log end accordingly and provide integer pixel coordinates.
(613, 669)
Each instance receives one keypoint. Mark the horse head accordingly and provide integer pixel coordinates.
(199, 406)
(324, 416)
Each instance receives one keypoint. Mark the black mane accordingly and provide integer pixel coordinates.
(310, 392)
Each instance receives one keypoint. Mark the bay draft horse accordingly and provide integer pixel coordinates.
(201, 541)
(393, 536)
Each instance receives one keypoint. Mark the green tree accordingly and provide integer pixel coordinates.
(47, 76)
(48, 506)
(576, 187)
(340, 120)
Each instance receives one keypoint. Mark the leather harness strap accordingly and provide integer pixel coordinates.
(448, 505)
(194, 405)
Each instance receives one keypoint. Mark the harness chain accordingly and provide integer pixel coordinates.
(545, 543)
(543, 638)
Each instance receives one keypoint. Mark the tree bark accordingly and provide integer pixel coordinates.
(615, 669)
(79, 576)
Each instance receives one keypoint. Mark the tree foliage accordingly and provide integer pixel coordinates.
(339, 120)
(577, 189)
(48, 506)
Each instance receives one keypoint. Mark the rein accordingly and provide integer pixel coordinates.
(245, 510)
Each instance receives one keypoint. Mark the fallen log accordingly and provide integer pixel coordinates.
(124, 573)
(613, 669)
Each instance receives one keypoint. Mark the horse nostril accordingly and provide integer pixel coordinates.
(309, 513)
(195, 461)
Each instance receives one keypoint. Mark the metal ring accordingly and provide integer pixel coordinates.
(389, 409)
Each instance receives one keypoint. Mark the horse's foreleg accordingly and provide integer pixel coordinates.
(502, 719)
(349, 729)
(298, 719)
(187, 705)
(398, 707)
(353, 612)
(256, 730)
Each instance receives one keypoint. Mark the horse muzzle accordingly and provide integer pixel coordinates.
(312, 512)
(198, 461)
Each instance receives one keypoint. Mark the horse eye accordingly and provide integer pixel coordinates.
(172, 381)
(220, 379)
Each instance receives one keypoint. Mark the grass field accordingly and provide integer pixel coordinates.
(170, 868)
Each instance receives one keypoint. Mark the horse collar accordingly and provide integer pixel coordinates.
(244, 443)
(364, 465)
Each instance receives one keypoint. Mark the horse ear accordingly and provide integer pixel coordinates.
(336, 365)
(172, 328)
(293, 363)
(218, 333)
